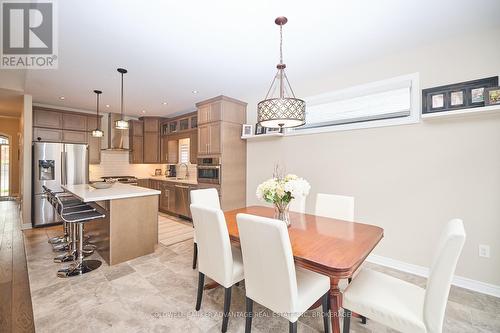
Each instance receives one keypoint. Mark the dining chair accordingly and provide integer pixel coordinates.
(298, 204)
(335, 206)
(401, 305)
(271, 278)
(216, 258)
(208, 197)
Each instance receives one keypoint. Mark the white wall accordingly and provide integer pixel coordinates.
(409, 179)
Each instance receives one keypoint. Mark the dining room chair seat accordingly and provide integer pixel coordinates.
(385, 299)
(311, 286)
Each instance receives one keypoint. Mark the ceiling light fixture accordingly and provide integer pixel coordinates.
(62, 98)
(121, 123)
(107, 105)
(194, 91)
(164, 103)
(97, 133)
(143, 111)
(286, 110)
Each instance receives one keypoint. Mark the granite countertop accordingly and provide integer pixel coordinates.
(175, 180)
(87, 193)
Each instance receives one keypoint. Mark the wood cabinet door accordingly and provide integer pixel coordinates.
(74, 122)
(203, 138)
(203, 112)
(136, 128)
(136, 155)
(151, 124)
(94, 149)
(215, 113)
(143, 183)
(50, 119)
(74, 136)
(47, 135)
(164, 149)
(193, 148)
(151, 147)
(215, 139)
(172, 154)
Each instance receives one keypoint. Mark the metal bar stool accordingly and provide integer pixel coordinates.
(76, 221)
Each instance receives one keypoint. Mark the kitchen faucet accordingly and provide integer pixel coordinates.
(187, 170)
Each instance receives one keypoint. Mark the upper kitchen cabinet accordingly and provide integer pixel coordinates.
(209, 139)
(136, 141)
(221, 108)
(179, 124)
(47, 118)
(74, 122)
(151, 147)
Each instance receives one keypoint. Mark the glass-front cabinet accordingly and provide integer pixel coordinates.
(189, 122)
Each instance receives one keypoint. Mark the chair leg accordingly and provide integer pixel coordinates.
(326, 311)
(293, 327)
(347, 320)
(248, 315)
(227, 305)
(195, 255)
(201, 283)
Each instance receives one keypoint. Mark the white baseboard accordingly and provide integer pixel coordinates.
(459, 281)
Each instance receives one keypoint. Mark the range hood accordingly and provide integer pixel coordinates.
(114, 139)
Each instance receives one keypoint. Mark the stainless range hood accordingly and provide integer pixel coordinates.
(114, 139)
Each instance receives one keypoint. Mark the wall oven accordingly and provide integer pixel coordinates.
(209, 170)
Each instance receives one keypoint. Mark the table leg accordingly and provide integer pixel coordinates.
(335, 303)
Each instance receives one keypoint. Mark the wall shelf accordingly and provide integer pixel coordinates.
(263, 136)
(483, 110)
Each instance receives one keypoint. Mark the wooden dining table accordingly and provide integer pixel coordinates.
(332, 247)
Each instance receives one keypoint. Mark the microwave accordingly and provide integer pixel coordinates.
(209, 170)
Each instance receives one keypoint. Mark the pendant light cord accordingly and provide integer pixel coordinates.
(281, 43)
(121, 107)
(97, 119)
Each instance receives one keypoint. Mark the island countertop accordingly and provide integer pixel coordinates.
(87, 193)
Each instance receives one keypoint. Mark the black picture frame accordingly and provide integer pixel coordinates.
(259, 129)
(487, 96)
(470, 91)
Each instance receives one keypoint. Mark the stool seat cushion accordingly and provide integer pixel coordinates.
(83, 217)
(77, 209)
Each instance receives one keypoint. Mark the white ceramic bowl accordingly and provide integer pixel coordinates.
(102, 185)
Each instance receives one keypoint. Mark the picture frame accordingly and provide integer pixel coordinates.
(259, 129)
(273, 130)
(457, 96)
(246, 130)
(492, 96)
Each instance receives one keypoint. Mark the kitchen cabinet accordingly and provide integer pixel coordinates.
(143, 183)
(75, 122)
(151, 147)
(209, 139)
(46, 134)
(151, 124)
(209, 112)
(193, 147)
(173, 151)
(46, 118)
(74, 136)
(136, 142)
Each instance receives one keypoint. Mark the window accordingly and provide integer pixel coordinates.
(184, 151)
(389, 102)
(4, 140)
(4, 166)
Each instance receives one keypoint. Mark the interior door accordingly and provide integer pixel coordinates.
(75, 163)
(4, 166)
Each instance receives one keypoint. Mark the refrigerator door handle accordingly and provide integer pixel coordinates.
(63, 168)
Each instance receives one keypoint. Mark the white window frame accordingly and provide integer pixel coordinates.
(361, 90)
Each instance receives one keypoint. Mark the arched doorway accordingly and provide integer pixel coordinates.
(4, 166)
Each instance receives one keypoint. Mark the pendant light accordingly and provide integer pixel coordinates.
(285, 110)
(122, 123)
(97, 133)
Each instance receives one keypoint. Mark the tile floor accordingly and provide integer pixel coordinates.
(156, 293)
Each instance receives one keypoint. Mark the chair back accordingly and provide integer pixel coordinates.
(441, 274)
(208, 197)
(270, 277)
(298, 204)
(215, 258)
(335, 206)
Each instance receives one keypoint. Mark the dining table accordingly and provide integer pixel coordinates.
(332, 247)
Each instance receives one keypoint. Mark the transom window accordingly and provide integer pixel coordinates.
(4, 140)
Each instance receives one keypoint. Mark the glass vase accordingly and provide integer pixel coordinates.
(282, 213)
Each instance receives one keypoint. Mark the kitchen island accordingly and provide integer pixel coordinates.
(130, 228)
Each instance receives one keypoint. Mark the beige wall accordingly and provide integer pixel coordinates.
(10, 127)
(409, 179)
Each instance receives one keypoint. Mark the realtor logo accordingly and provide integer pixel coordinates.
(28, 35)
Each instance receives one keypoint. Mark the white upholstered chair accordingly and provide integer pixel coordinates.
(404, 306)
(298, 204)
(216, 258)
(335, 206)
(271, 278)
(205, 197)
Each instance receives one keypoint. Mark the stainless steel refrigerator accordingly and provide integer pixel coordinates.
(55, 164)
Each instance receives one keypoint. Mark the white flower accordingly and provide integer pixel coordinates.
(282, 190)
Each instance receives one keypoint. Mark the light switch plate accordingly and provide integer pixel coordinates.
(484, 251)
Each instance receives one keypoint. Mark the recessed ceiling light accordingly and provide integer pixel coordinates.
(194, 91)
(62, 98)
(164, 103)
(107, 105)
(143, 111)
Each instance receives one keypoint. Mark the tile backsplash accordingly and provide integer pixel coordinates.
(116, 163)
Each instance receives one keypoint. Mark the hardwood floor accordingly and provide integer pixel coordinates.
(16, 312)
(172, 230)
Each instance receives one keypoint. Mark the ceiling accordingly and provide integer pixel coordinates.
(230, 47)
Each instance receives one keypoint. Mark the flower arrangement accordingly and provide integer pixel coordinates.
(280, 190)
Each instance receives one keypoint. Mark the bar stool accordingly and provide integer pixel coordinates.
(76, 222)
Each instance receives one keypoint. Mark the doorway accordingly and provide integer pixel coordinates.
(4, 166)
